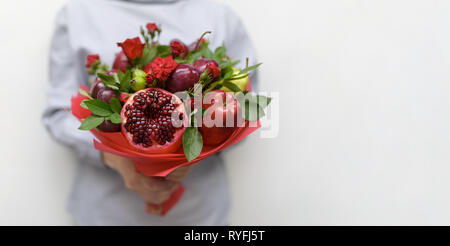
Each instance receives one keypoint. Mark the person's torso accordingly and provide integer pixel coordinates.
(99, 196)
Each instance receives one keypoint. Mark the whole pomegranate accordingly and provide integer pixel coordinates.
(184, 77)
(121, 62)
(108, 126)
(106, 94)
(222, 117)
(98, 85)
(154, 120)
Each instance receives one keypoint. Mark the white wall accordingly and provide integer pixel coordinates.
(364, 116)
(35, 172)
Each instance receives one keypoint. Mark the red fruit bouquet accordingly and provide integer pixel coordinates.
(167, 106)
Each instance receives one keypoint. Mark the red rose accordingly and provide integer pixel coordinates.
(160, 69)
(91, 59)
(152, 28)
(178, 48)
(132, 48)
(213, 70)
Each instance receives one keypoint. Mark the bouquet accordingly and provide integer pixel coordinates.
(167, 106)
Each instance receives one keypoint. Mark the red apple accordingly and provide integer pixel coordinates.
(221, 118)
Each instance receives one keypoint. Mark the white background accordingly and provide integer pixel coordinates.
(364, 116)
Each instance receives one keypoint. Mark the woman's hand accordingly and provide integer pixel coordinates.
(153, 190)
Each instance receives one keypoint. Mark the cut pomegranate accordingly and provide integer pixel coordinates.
(154, 120)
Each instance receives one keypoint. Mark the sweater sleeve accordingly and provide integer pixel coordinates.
(64, 83)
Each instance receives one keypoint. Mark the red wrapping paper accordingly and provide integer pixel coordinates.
(154, 165)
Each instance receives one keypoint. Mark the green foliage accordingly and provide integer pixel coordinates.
(115, 105)
(248, 69)
(192, 143)
(91, 122)
(114, 118)
(231, 86)
(101, 111)
(98, 107)
(253, 105)
(148, 54)
(109, 81)
(85, 93)
(124, 80)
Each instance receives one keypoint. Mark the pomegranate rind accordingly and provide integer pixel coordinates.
(169, 147)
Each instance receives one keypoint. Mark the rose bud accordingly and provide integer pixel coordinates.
(152, 28)
(92, 59)
(178, 48)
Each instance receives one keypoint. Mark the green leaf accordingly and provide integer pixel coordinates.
(254, 105)
(217, 86)
(220, 53)
(115, 105)
(228, 63)
(115, 118)
(193, 56)
(180, 60)
(263, 101)
(165, 54)
(228, 74)
(248, 69)
(253, 112)
(85, 93)
(125, 81)
(120, 75)
(91, 122)
(207, 53)
(231, 86)
(98, 107)
(148, 54)
(163, 50)
(83, 104)
(192, 143)
(257, 99)
(107, 79)
(114, 87)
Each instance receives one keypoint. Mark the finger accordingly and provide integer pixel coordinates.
(175, 187)
(157, 198)
(159, 184)
(179, 173)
